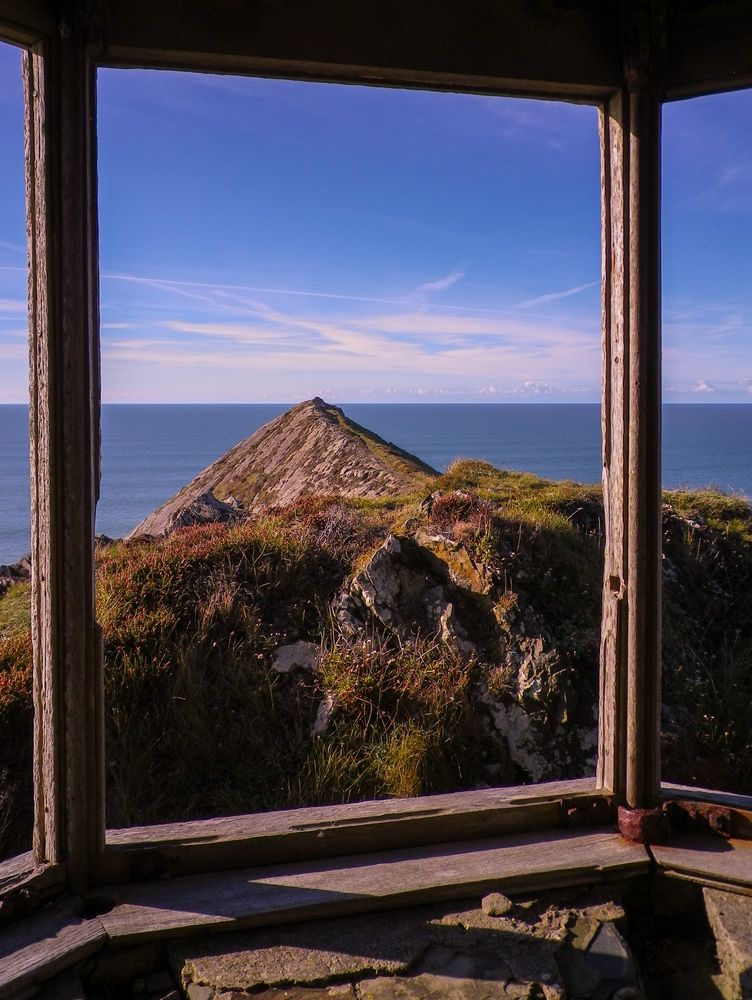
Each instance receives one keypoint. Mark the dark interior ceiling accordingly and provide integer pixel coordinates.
(568, 48)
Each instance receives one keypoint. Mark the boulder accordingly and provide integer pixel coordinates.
(409, 590)
(204, 509)
(527, 695)
(296, 655)
(19, 572)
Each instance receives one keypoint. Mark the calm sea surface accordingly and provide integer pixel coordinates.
(149, 452)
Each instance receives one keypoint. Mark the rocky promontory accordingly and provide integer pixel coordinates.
(313, 448)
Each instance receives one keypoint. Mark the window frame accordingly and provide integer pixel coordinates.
(617, 74)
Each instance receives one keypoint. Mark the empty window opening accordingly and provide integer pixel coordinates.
(395, 589)
(707, 520)
(16, 711)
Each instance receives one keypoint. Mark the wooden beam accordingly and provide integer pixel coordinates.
(26, 22)
(296, 834)
(541, 48)
(279, 894)
(739, 806)
(731, 800)
(630, 660)
(615, 437)
(61, 207)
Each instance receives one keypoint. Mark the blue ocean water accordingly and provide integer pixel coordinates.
(150, 451)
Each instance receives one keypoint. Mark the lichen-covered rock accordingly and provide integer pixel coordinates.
(463, 570)
(408, 589)
(428, 586)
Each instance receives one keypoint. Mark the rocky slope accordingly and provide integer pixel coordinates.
(313, 448)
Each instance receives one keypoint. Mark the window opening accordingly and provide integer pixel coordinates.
(707, 520)
(421, 267)
(16, 710)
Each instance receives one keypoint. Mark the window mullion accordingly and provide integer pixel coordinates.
(61, 182)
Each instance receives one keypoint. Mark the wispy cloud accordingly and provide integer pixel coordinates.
(441, 284)
(223, 341)
(555, 126)
(14, 247)
(553, 296)
(231, 297)
(442, 346)
(176, 286)
(12, 306)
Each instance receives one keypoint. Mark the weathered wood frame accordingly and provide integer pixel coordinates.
(579, 53)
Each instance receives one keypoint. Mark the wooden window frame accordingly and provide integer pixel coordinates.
(60, 64)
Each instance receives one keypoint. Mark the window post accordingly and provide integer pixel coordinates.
(615, 436)
(63, 316)
(629, 757)
(644, 523)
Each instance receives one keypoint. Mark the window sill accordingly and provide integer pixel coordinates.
(332, 831)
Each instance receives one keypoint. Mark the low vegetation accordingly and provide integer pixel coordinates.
(199, 721)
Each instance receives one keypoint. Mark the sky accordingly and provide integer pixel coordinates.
(267, 241)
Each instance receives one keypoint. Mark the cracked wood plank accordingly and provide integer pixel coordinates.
(329, 831)
(36, 949)
(277, 894)
(710, 860)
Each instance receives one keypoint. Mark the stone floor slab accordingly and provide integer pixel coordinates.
(730, 919)
(304, 954)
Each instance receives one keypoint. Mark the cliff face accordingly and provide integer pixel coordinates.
(313, 448)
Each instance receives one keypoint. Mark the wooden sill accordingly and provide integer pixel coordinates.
(22, 876)
(36, 949)
(669, 790)
(709, 860)
(334, 831)
(739, 807)
(388, 879)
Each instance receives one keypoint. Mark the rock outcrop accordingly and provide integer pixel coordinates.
(428, 585)
(313, 448)
(19, 572)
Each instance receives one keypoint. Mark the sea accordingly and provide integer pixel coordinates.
(150, 451)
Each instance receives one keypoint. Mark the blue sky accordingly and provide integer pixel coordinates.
(269, 240)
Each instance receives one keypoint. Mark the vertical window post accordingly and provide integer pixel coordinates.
(644, 523)
(61, 204)
(629, 761)
(615, 437)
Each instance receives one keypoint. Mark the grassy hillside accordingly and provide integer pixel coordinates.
(200, 723)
